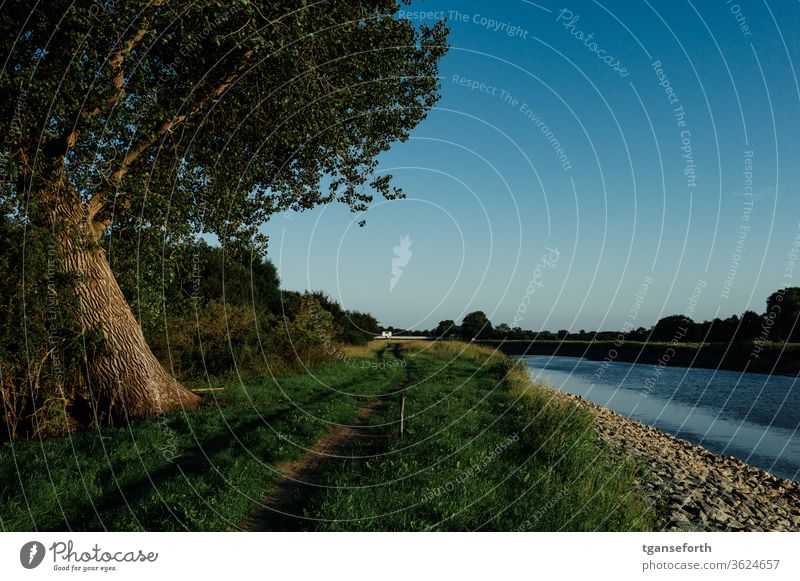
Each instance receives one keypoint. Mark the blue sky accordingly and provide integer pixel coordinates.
(488, 194)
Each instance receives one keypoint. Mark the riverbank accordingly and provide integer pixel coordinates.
(482, 448)
(693, 489)
(773, 358)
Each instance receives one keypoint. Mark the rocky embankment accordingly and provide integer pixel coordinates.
(695, 490)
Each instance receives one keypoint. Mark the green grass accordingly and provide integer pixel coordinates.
(484, 449)
(199, 471)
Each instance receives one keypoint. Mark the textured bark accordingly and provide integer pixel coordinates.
(124, 377)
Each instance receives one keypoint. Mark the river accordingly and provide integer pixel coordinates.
(750, 416)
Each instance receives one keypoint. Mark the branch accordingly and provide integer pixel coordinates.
(117, 58)
(167, 126)
(58, 147)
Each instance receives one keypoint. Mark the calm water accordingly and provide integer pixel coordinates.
(750, 416)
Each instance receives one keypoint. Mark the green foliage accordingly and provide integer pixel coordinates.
(210, 316)
(302, 340)
(484, 449)
(783, 307)
(223, 315)
(39, 345)
(353, 327)
(209, 116)
(476, 325)
(445, 328)
(200, 471)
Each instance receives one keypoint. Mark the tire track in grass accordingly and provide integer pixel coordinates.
(284, 505)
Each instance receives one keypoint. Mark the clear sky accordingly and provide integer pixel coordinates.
(558, 135)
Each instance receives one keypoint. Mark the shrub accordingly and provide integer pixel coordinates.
(39, 343)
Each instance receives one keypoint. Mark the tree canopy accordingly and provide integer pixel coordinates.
(476, 325)
(209, 116)
(131, 128)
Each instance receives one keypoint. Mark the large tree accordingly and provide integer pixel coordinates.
(476, 325)
(783, 311)
(162, 119)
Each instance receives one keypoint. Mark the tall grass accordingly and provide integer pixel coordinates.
(205, 470)
(485, 449)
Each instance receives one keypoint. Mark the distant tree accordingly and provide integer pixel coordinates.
(562, 334)
(750, 328)
(360, 328)
(603, 335)
(671, 327)
(476, 325)
(724, 330)
(207, 273)
(783, 307)
(502, 331)
(444, 328)
(349, 326)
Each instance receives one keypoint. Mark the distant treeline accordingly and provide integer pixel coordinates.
(768, 357)
(778, 323)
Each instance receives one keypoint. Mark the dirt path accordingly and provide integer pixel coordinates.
(283, 506)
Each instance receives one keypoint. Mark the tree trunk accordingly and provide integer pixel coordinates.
(124, 377)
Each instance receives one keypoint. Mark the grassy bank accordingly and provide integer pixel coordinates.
(199, 471)
(767, 357)
(483, 449)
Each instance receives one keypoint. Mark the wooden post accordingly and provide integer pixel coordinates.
(402, 414)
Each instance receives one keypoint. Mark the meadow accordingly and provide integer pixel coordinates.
(482, 448)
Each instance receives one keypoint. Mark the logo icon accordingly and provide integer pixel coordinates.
(402, 256)
(31, 554)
